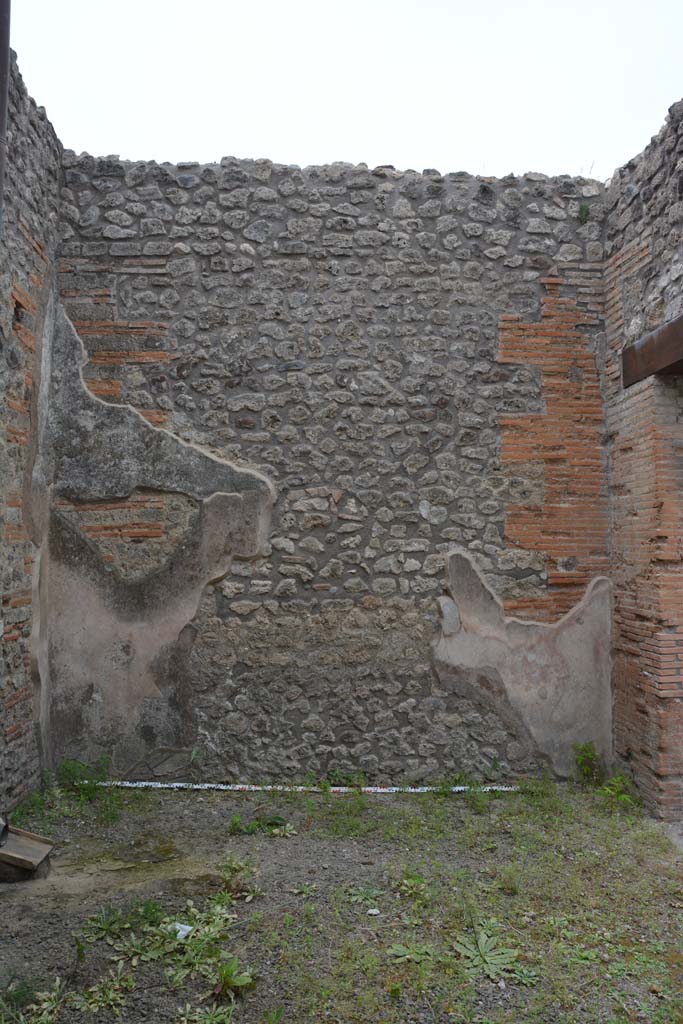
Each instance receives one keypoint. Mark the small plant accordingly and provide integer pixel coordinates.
(80, 947)
(273, 1016)
(584, 212)
(619, 793)
(365, 894)
(415, 954)
(492, 770)
(482, 952)
(231, 979)
(234, 870)
(139, 949)
(526, 976)
(308, 889)
(107, 994)
(46, 1006)
(284, 831)
(414, 887)
(108, 924)
(147, 913)
(589, 766)
(273, 826)
(237, 827)
(235, 874)
(483, 955)
(214, 1015)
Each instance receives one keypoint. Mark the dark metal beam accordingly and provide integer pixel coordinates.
(4, 91)
(661, 351)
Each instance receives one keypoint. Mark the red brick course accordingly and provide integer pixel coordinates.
(570, 527)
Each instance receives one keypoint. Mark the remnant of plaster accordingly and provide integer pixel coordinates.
(107, 630)
(554, 679)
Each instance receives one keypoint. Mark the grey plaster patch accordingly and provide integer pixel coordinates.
(106, 637)
(551, 680)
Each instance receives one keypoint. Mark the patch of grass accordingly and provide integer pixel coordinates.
(106, 994)
(207, 1015)
(347, 815)
(444, 786)
(274, 1016)
(73, 789)
(416, 819)
(339, 777)
(15, 996)
(275, 825)
(575, 909)
(43, 806)
(81, 780)
(477, 800)
(509, 879)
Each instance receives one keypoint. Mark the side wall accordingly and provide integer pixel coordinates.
(27, 248)
(644, 289)
(411, 358)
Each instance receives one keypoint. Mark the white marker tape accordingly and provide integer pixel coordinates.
(243, 787)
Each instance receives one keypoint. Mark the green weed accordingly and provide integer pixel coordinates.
(482, 952)
(275, 825)
(416, 953)
(619, 793)
(232, 979)
(367, 895)
(589, 764)
(207, 1015)
(106, 994)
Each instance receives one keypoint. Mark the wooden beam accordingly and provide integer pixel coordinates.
(25, 849)
(661, 351)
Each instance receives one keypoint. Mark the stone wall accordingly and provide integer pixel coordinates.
(427, 367)
(644, 289)
(27, 248)
(411, 359)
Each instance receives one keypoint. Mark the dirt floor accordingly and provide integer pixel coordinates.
(549, 905)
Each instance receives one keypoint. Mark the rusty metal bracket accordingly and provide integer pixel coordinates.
(661, 352)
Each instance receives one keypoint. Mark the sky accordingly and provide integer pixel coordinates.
(493, 87)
